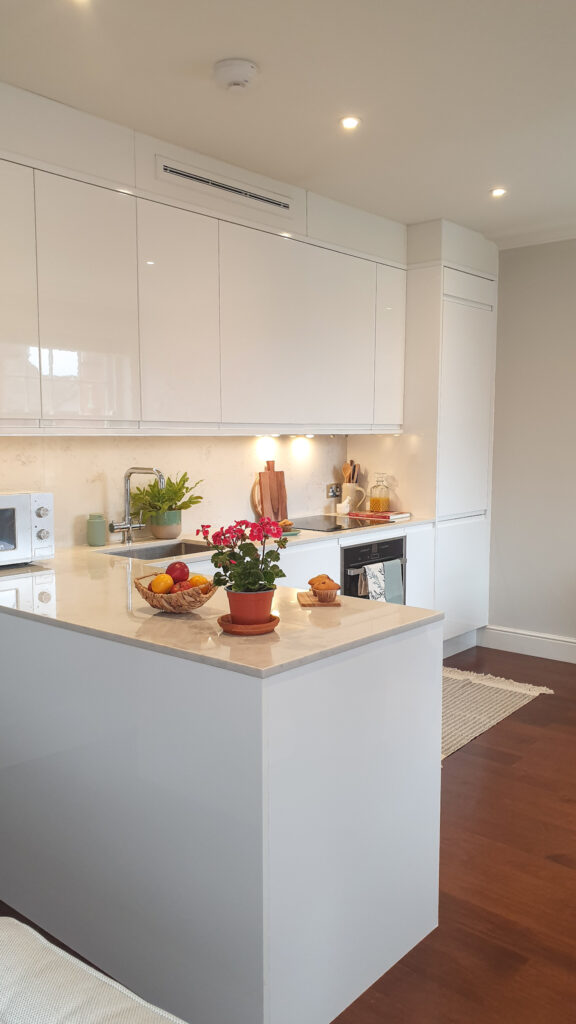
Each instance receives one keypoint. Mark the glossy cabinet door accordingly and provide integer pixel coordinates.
(466, 407)
(297, 331)
(390, 340)
(462, 573)
(19, 353)
(179, 315)
(420, 566)
(87, 292)
(302, 561)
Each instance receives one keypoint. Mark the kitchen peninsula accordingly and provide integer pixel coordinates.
(240, 829)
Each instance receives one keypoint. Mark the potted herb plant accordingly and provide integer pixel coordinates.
(162, 507)
(246, 567)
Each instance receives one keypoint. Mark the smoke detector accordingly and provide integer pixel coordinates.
(235, 73)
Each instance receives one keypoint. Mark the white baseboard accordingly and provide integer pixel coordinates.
(460, 643)
(524, 641)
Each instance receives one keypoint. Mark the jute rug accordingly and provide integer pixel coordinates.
(473, 703)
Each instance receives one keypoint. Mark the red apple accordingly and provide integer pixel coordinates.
(181, 585)
(178, 571)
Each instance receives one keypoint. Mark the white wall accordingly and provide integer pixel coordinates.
(533, 561)
(86, 474)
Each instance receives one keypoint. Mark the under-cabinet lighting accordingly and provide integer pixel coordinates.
(309, 435)
(149, 263)
(266, 447)
(285, 234)
(349, 123)
(498, 192)
(300, 448)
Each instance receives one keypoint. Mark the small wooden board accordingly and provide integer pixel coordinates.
(307, 600)
(273, 493)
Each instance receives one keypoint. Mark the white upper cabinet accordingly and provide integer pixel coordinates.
(466, 401)
(19, 356)
(179, 317)
(390, 336)
(87, 292)
(297, 331)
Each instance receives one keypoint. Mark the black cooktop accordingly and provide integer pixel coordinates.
(331, 524)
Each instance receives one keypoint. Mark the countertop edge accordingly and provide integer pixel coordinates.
(432, 616)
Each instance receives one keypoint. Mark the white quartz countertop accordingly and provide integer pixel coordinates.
(94, 593)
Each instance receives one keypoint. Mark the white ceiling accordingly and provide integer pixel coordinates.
(455, 95)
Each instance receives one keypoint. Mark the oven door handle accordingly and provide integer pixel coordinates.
(357, 572)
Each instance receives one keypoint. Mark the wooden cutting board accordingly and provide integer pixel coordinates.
(273, 493)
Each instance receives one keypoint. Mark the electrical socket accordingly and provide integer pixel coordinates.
(334, 490)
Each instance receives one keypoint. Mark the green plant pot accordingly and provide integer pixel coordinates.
(166, 525)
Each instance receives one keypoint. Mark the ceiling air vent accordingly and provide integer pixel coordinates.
(206, 184)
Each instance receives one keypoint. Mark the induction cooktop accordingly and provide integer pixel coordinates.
(331, 524)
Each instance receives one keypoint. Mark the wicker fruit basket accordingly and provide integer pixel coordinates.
(180, 603)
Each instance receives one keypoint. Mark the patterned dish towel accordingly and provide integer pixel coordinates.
(382, 581)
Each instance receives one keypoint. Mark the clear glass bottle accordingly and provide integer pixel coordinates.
(380, 494)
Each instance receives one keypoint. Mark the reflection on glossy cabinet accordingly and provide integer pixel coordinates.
(87, 292)
(390, 335)
(179, 316)
(297, 331)
(19, 356)
(462, 572)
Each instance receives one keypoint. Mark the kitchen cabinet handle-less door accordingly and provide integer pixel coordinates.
(466, 400)
(87, 292)
(179, 333)
(462, 572)
(19, 356)
(390, 340)
(297, 331)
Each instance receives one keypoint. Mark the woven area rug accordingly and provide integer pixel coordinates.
(473, 703)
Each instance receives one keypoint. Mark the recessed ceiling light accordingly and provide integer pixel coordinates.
(349, 122)
(498, 192)
(150, 263)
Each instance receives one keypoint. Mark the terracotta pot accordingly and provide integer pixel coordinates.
(167, 525)
(248, 607)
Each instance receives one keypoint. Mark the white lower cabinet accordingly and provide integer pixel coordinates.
(420, 566)
(303, 561)
(462, 573)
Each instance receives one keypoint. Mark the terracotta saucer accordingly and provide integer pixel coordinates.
(257, 629)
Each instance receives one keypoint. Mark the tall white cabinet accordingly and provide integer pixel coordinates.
(87, 295)
(450, 361)
(19, 352)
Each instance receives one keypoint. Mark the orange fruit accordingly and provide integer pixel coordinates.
(162, 583)
(200, 581)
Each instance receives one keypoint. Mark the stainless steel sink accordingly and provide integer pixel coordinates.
(147, 552)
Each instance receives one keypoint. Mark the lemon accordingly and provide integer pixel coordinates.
(162, 583)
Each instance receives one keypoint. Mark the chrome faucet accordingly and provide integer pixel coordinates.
(128, 525)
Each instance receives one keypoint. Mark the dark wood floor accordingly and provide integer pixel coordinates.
(505, 951)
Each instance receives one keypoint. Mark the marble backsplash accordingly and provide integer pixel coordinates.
(85, 474)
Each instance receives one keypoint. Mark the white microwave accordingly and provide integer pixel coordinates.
(26, 527)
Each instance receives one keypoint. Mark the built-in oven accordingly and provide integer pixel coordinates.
(355, 557)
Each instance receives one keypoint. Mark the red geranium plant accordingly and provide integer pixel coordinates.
(241, 559)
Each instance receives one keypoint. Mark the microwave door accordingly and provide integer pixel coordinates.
(15, 529)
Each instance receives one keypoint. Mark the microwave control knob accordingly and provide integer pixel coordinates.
(42, 512)
(43, 534)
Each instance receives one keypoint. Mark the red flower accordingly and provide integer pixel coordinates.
(256, 532)
(205, 531)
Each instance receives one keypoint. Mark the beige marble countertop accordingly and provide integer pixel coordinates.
(94, 593)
